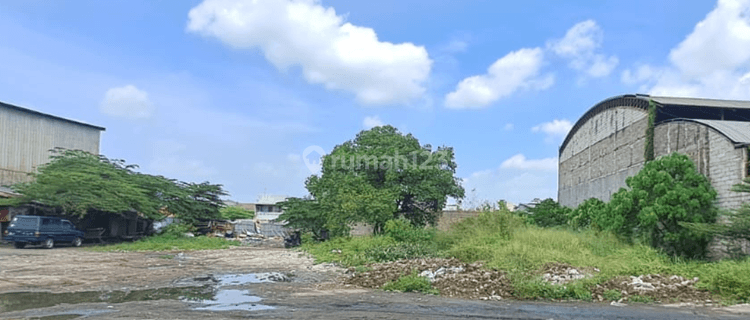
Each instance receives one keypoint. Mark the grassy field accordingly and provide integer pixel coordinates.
(168, 243)
(504, 242)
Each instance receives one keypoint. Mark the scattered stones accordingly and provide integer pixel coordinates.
(561, 273)
(672, 289)
(451, 277)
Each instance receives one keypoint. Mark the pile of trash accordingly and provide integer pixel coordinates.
(451, 277)
(665, 289)
(562, 273)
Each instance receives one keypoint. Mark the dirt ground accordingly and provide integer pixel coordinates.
(76, 269)
(60, 284)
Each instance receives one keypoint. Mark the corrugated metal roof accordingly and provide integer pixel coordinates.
(270, 199)
(736, 131)
(7, 105)
(701, 102)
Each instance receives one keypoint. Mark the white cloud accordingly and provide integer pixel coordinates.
(126, 102)
(515, 71)
(508, 127)
(370, 122)
(642, 73)
(329, 50)
(713, 61)
(556, 130)
(580, 45)
(519, 161)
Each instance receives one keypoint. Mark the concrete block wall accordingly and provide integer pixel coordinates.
(606, 150)
(714, 156)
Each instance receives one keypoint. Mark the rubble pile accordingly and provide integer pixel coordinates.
(451, 277)
(561, 273)
(659, 288)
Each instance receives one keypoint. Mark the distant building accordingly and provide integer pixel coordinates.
(265, 208)
(27, 136)
(526, 207)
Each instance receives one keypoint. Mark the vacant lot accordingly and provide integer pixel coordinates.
(91, 284)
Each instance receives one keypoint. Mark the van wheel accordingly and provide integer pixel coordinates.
(77, 242)
(49, 243)
(19, 245)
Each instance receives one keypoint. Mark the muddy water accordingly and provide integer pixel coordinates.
(16, 301)
(220, 295)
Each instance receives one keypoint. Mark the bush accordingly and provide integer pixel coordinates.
(584, 214)
(398, 251)
(549, 213)
(612, 295)
(403, 231)
(410, 283)
(177, 230)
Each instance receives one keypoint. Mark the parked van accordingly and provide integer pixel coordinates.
(47, 231)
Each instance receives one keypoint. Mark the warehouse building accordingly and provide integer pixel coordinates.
(27, 136)
(606, 145)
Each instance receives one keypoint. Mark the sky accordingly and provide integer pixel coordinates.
(248, 94)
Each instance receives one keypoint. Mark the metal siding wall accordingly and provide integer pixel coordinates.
(25, 141)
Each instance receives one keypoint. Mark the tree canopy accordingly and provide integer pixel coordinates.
(78, 182)
(379, 175)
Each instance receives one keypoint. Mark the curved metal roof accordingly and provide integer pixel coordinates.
(736, 131)
(629, 100)
(640, 101)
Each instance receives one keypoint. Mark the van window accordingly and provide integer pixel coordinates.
(24, 222)
(67, 225)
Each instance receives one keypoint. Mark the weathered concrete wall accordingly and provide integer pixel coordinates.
(447, 219)
(606, 150)
(713, 154)
(450, 218)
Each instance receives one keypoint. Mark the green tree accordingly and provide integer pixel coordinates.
(78, 182)
(665, 195)
(306, 215)
(234, 213)
(381, 175)
(549, 213)
(583, 215)
(669, 191)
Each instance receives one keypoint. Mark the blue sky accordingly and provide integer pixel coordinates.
(234, 91)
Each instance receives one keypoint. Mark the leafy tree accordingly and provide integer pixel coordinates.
(583, 215)
(306, 215)
(78, 182)
(381, 175)
(234, 213)
(665, 195)
(549, 213)
(669, 191)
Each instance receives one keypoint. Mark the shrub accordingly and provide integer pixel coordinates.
(612, 295)
(177, 230)
(398, 251)
(669, 191)
(403, 231)
(584, 214)
(411, 283)
(549, 213)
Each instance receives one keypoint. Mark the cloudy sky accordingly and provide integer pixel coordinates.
(235, 92)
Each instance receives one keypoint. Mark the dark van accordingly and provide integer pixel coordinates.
(47, 231)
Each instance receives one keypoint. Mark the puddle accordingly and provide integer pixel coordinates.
(227, 300)
(233, 299)
(212, 296)
(17, 301)
(240, 279)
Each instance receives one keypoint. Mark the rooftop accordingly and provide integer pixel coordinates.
(14, 107)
